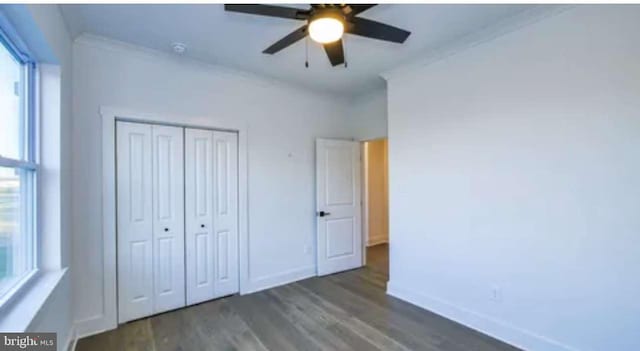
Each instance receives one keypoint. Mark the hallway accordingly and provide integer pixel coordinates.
(378, 259)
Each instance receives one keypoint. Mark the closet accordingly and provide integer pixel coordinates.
(177, 217)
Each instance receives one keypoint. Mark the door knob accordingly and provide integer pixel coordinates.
(166, 229)
(323, 213)
(201, 225)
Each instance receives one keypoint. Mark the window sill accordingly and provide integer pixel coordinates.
(22, 311)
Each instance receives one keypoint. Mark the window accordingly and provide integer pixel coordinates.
(18, 169)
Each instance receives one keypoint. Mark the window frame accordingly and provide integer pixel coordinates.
(29, 162)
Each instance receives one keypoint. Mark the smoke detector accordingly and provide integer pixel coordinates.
(179, 48)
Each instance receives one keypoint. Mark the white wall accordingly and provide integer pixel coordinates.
(515, 168)
(283, 123)
(368, 115)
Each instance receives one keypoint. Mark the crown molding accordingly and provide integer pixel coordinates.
(145, 53)
(486, 34)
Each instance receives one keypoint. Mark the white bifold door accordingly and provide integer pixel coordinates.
(211, 170)
(150, 219)
(177, 217)
(338, 205)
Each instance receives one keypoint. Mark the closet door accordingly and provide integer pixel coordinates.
(199, 215)
(225, 208)
(168, 218)
(135, 220)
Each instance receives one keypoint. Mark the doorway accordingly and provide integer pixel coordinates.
(375, 204)
(352, 205)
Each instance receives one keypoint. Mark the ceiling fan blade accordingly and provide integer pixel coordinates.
(288, 40)
(376, 30)
(268, 10)
(355, 9)
(335, 52)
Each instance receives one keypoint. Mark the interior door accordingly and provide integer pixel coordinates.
(338, 205)
(199, 215)
(135, 220)
(225, 221)
(168, 218)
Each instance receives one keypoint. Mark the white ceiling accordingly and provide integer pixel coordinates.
(237, 40)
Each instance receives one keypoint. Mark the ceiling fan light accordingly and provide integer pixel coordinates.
(326, 30)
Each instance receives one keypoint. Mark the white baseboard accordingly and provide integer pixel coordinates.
(500, 330)
(281, 278)
(92, 326)
(70, 344)
(99, 324)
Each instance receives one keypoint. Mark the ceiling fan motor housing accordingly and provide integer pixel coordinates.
(326, 24)
(328, 12)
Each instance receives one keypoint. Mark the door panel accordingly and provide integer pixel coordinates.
(339, 176)
(165, 262)
(202, 266)
(139, 257)
(223, 256)
(135, 220)
(168, 213)
(337, 230)
(338, 199)
(225, 219)
(199, 215)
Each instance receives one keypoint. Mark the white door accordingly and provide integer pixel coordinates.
(135, 220)
(199, 215)
(168, 218)
(338, 205)
(225, 219)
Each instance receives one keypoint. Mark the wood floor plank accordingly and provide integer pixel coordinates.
(219, 318)
(386, 321)
(134, 336)
(345, 311)
(268, 324)
(348, 321)
(304, 318)
(338, 327)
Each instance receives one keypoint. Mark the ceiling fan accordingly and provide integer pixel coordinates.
(326, 24)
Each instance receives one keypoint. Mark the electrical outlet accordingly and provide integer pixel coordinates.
(496, 293)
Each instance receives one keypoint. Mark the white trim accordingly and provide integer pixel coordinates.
(282, 278)
(22, 311)
(365, 199)
(101, 42)
(12, 163)
(499, 28)
(107, 320)
(19, 287)
(72, 340)
(497, 329)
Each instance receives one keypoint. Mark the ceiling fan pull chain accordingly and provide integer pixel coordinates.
(306, 52)
(344, 41)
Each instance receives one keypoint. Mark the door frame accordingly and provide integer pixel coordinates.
(364, 198)
(108, 319)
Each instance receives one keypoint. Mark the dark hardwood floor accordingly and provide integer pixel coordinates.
(345, 311)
